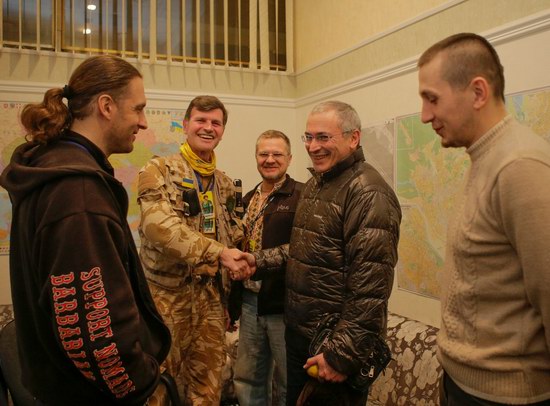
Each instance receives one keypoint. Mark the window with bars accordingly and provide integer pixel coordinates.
(236, 33)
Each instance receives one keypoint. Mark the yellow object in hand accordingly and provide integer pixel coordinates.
(313, 371)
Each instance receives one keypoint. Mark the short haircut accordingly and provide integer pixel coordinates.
(467, 55)
(348, 118)
(274, 134)
(206, 103)
(103, 74)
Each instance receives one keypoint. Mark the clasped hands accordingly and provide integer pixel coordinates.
(241, 265)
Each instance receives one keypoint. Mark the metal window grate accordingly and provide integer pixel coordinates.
(233, 33)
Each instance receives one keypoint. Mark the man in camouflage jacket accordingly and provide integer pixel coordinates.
(188, 226)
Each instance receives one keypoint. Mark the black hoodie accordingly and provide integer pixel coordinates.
(88, 331)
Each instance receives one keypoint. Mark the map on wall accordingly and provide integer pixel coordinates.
(162, 137)
(429, 180)
(378, 145)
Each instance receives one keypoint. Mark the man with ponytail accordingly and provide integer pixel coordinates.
(188, 229)
(88, 330)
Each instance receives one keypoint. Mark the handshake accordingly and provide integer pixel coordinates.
(241, 265)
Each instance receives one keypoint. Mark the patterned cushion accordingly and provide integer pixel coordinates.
(412, 376)
(231, 343)
(6, 314)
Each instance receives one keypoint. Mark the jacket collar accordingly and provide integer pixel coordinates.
(336, 170)
(286, 188)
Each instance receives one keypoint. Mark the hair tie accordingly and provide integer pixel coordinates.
(67, 92)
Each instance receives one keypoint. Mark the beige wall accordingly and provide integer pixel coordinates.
(409, 41)
(324, 28)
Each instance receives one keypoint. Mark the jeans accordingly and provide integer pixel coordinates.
(261, 356)
(450, 394)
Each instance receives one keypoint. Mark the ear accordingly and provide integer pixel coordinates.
(482, 91)
(355, 138)
(106, 105)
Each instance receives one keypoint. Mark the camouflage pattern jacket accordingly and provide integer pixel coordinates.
(172, 246)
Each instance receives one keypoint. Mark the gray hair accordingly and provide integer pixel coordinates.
(348, 117)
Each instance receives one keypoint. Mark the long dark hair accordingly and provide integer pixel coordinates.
(103, 74)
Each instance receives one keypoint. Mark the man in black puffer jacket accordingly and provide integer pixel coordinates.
(342, 253)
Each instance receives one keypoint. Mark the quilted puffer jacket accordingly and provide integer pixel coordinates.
(341, 258)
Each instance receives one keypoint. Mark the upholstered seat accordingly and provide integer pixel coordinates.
(412, 376)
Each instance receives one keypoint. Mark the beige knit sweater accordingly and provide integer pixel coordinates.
(495, 332)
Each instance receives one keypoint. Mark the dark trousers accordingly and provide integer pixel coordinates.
(316, 393)
(450, 394)
(297, 353)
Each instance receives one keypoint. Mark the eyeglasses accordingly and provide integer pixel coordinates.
(321, 138)
(276, 155)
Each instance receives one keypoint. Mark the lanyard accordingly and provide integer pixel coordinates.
(209, 186)
(261, 212)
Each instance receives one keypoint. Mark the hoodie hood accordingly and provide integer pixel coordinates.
(32, 165)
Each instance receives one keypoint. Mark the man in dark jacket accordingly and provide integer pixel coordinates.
(270, 209)
(88, 331)
(341, 256)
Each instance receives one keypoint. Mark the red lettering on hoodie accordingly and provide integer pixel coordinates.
(107, 333)
(109, 362)
(65, 332)
(68, 306)
(80, 354)
(84, 276)
(98, 303)
(61, 293)
(106, 352)
(96, 295)
(62, 279)
(92, 284)
(67, 320)
(73, 344)
(104, 324)
(113, 383)
(69, 332)
(113, 371)
(124, 390)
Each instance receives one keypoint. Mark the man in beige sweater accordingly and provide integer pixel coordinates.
(494, 343)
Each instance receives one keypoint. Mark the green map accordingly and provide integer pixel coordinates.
(429, 180)
(162, 137)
